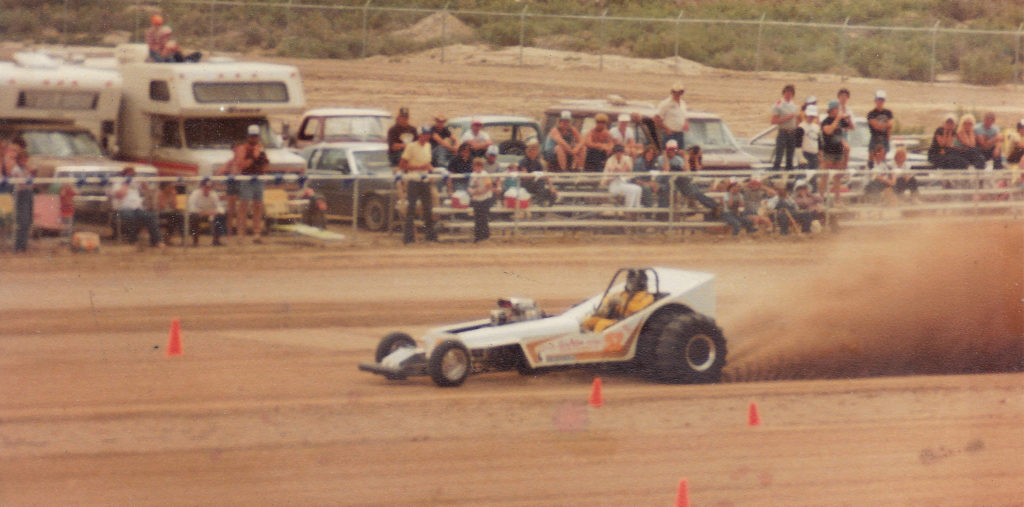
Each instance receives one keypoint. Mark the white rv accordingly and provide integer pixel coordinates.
(184, 118)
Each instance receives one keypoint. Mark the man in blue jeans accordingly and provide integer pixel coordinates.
(785, 114)
(128, 195)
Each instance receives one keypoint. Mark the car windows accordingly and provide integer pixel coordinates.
(355, 128)
(373, 162)
(708, 134)
(334, 160)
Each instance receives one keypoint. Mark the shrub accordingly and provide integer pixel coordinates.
(986, 67)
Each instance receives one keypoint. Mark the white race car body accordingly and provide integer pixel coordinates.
(520, 336)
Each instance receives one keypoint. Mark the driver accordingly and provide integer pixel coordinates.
(619, 306)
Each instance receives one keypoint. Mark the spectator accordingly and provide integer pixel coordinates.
(784, 115)
(755, 196)
(810, 145)
(990, 143)
(670, 116)
(129, 195)
(646, 163)
(481, 197)
(491, 164)
(782, 207)
(599, 144)
(251, 161)
(670, 161)
(416, 166)
(615, 169)
(695, 158)
(204, 206)
(155, 38)
(832, 146)
(442, 144)
(400, 135)
(845, 113)
(459, 168)
(530, 169)
(626, 136)
(905, 183)
(880, 122)
(563, 146)
(67, 211)
(24, 198)
(172, 54)
(734, 212)
(809, 207)
(1015, 145)
(167, 211)
(942, 153)
(10, 151)
(965, 142)
(881, 185)
(479, 140)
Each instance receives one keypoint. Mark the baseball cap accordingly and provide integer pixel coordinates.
(565, 115)
(678, 87)
(403, 111)
(811, 99)
(833, 104)
(880, 94)
(672, 145)
(1020, 123)
(477, 121)
(492, 150)
(812, 110)
(440, 117)
(425, 130)
(623, 117)
(205, 182)
(253, 130)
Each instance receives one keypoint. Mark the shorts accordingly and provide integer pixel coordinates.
(835, 158)
(249, 190)
(232, 187)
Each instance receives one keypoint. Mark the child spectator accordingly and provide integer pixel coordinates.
(734, 210)
(167, 209)
(67, 211)
(880, 188)
(810, 145)
(481, 196)
(906, 184)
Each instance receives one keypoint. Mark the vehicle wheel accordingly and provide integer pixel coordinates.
(690, 349)
(449, 363)
(392, 342)
(512, 147)
(375, 214)
(643, 360)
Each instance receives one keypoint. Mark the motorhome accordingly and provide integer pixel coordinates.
(184, 118)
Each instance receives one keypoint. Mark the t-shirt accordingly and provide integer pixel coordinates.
(832, 144)
(477, 183)
(395, 134)
(675, 164)
(673, 114)
(417, 154)
(619, 138)
(987, 133)
(812, 136)
(480, 137)
(785, 108)
(443, 133)
(935, 150)
(531, 166)
(883, 115)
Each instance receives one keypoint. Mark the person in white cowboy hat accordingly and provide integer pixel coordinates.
(671, 116)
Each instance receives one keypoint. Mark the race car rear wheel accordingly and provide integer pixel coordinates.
(691, 349)
(390, 343)
(449, 363)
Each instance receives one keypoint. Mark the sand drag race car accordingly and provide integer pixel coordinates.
(656, 321)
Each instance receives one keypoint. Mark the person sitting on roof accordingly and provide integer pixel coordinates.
(155, 37)
(172, 54)
(616, 307)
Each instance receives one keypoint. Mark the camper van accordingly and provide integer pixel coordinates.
(184, 118)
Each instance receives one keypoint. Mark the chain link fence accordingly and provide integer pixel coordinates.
(318, 28)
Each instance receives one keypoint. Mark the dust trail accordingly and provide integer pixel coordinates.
(936, 300)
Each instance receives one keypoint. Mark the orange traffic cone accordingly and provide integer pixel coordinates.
(683, 494)
(174, 343)
(753, 418)
(596, 399)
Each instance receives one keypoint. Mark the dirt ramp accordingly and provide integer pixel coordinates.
(937, 300)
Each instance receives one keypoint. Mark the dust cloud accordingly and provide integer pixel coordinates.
(943, 299)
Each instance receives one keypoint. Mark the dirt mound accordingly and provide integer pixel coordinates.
(433, 26)
(941, 301)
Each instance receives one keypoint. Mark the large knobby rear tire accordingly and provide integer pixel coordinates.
(392, 342)
(449, 363)
(690, 349)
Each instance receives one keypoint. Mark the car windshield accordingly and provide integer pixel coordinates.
(501, 132)
(57, 143)
(709, 135)
(373, 162)
(224, 133)
(355, 128)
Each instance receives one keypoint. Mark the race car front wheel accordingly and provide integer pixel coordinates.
(691, 348)
(390, 343)
(449, 363)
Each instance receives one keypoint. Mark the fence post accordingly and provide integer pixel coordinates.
(522, 33)
(444, 29)
(678, 19)
(842, 50)
(366, 16)
(935, 38)
(1016, 54)
(604, 41)
(757, 51)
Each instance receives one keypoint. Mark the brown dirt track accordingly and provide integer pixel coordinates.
(885, 365)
